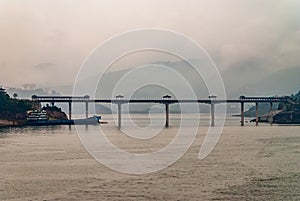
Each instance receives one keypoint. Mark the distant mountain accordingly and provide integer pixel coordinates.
(281, 82)
(238, 77)
(101, 109)
(282, 113)
(110, 79)
(250, 77)
(263, 108)
(245, 78)
(27, 93)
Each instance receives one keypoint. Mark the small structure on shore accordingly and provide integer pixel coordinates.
(2, 90)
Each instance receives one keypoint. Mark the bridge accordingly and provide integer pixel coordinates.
(166, 100)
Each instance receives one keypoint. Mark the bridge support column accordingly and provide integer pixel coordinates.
(86, 109)
(256, 113)
(242, 114)
(70, 110)
(167, 115)
(212, 114)
(271, 112)
(119, 115)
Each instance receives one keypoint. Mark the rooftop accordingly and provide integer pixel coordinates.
(2, 90)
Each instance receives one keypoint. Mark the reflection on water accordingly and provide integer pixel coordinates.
(35, 130)
(138, 119)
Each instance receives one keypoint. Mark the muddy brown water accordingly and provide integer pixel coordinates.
(248, 163)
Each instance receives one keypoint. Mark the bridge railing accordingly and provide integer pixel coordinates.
(53, 98)
(253, 98)
(168, 101)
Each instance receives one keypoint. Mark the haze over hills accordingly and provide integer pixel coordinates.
(26, 93)
(247, 78)
(243, 79)
(281, 82)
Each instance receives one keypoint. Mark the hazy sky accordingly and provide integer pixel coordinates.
(45, 41)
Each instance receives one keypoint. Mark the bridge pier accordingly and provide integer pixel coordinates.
(166, 100)
(167, 115)
(256, 113)
(86, 109)
(70, 110)
(119, 115)
(271, 112)
(242, 114)
(212, 114)
(119, 102)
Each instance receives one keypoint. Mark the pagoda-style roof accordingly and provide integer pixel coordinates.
(119, 96)
(166, 97)
(212, 96)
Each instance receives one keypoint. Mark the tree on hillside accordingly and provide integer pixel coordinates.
(11, 108)
(15, 95)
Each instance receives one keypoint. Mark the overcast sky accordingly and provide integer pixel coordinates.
(45, 41)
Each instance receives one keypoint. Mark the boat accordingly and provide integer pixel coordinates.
(89, 121)
(40, 118)
(35, 115)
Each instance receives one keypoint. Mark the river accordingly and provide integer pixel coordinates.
(248, 163)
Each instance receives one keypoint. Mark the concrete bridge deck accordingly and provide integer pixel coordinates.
(166, 100)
